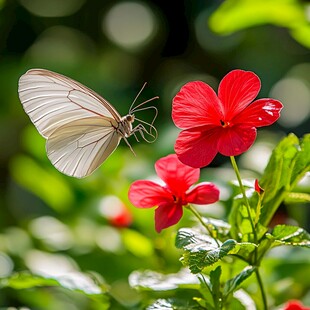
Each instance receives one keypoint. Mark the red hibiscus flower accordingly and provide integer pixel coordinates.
(225, 123)
(176, 193)
(295, 305)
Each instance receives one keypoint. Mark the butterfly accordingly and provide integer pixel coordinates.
(81, 128)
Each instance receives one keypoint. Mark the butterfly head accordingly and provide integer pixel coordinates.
(125, 125)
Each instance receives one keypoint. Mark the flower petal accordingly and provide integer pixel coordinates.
(237, 90)
(236, 140)
(203, 193)
(175, 174)
(196, 104)
(147, 194)
(262, 112)
(198, 148)
(167, 215)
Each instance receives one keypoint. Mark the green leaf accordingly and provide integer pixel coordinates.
(297, 198)
(218, 228)
(302, 160)
(232, 284)
(137, 243)
(206, 292)
(241, 228)
(302, 34)
(243, 249)
(78, 282)
(288, 163)
(49, 185)
(193, 238)
(201, 250)
(173, 304)
(290, 235)
(215, 277)
(154, 281)
(26, 280)
(234, 15)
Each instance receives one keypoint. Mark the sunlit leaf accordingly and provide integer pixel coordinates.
(154, 281)
(297, 197)
(27, 280)
(51, 188)
(218, 228)
(234, 15)
(136, 243)
(191, 238)
(79, 284)
(290, 235)
(173, 304)
(201, 250)
(243, 249)
(302, 34)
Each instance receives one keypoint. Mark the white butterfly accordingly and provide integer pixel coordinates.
(82, 128)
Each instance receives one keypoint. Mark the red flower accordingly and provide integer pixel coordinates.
(115, 211)
(295, 305)
(225, 123)
(174, 194)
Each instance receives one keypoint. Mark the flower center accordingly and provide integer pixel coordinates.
(225, 124)
(178, 200)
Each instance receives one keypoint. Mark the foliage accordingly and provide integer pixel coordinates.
(210, 246)
(62, 245)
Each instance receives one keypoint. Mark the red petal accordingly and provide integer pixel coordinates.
(147, 194)
(236, 140)
(262, 112)
(237, 90)
(295, 305)
(257, 187)
(198, 148)
(196, 104)
(167, 215)
(203, 193)
(176, 175)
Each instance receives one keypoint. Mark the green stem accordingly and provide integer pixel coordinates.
(234, 164)
(259, 280)
(194, 211)
(261, 286)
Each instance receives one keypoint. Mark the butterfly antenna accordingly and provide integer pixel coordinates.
(136, 109)
(139, 93)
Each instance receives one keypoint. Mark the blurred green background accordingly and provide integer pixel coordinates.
(52, 224)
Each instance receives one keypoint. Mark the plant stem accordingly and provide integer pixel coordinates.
(234, 164)
(259, 280)
(261, 286)
(194, 211)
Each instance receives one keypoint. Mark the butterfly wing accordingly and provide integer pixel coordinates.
(52, 100)
(79, 147)
(79, 125)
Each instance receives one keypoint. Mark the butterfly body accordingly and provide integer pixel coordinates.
(81, 127)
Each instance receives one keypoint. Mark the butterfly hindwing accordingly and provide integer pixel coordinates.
(79, 147)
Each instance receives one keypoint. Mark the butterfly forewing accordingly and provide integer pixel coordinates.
(51, 100)
(81, 127)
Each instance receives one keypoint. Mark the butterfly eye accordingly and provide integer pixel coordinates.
(130, 118)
